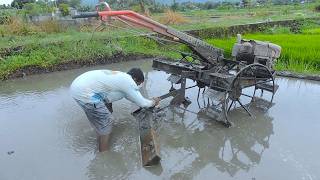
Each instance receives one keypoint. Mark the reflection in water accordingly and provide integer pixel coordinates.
(122, 160)
(229, 150)
(52, 138)
(189, 142)
(103, 166)
(186, 151)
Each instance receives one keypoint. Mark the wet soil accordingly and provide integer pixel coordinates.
(45, 135)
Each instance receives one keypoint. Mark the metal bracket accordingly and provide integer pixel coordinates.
(150, 148)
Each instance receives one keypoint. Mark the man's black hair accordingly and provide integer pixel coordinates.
(136, 74)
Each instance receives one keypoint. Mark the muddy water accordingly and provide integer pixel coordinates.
(45, 135)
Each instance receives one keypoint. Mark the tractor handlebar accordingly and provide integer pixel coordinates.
(86, 15)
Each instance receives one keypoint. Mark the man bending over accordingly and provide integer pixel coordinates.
(95, 91)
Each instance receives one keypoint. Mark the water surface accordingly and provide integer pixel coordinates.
(45, 135)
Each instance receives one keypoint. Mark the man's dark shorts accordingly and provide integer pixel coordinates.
(99, 116)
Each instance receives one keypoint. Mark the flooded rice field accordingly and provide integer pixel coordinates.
(45, 135)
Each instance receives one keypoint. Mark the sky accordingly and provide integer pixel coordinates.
(5, 2)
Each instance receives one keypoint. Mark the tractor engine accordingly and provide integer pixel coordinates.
(252, 51)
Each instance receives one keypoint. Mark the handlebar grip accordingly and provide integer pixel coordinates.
(86, 15)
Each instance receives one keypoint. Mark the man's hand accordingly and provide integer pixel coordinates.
(156, 101)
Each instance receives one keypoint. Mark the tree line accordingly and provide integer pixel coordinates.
(143, 5)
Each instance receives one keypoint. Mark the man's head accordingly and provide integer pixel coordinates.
(137, 75)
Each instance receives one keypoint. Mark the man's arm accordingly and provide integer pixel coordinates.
(134, 95)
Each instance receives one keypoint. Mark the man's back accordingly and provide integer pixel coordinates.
(94, 91)
(97, 85)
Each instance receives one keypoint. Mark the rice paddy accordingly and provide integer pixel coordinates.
(300, 52)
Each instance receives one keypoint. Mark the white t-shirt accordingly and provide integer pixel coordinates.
(95, 86)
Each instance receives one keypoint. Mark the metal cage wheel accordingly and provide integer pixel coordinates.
(217, 108)
(245, 84)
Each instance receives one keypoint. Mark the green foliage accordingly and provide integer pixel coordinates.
(210, 5)
(286, 11)
(4, 6)
(300, 52)
(51, 26)
(17, 26)
(158, 8)
(75, 3)
(64, 8)
(281, 2)
(225, 6)
(174, 5)
(48, 55)
(20, 3)
(62, 2)
(2, 32)
(317, 8)
(311, 31)
(136, 8)
(85, 9)
(278, 30)
(246, 3)
(5, 17)
(33, 9)
(46, 46)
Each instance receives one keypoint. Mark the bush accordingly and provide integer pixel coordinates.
(171, 17)
(136, 8)
(278, 30)
(64, 8)
(50, 26)
(85, 9)
(5, 17)
(175, 6)
(2, 31)
(317, 8)
(225, 7)
(18, 27)
(33, 9)
(210, 5)
(158, 8)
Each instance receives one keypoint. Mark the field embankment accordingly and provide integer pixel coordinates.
(41, 58)
(72, 50)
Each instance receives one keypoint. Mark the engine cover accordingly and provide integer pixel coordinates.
(253, 51)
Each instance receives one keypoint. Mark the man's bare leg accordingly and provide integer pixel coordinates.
(103, 142)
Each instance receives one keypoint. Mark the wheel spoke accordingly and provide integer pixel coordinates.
(230, 106)
(247, 95)
(248, 79)
(244, 108)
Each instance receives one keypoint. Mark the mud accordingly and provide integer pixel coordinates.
(51, 138)
(299, 76)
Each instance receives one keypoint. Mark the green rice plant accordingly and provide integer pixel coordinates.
(311, 31)
(286, 11)
(300, 52)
